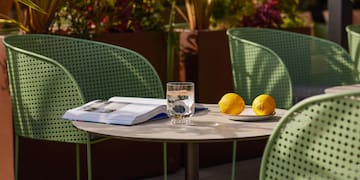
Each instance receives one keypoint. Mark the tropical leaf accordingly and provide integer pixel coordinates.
(37, 21)
(198, 13)
(35, 18)
(13, 21)
(32, 5)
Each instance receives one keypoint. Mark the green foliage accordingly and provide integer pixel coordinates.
(198, 13)
(88, 18)
(290, 12)
(227, 13)
(220, 14)
(32, 16)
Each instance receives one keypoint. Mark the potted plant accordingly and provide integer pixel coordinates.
(207, 23)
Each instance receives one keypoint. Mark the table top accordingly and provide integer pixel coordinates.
(208, 126)
(337, 89)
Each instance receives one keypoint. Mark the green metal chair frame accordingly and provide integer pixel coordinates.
(353, 34)
(257, 70)
(310, 61)
(319, 138)
(50, 74)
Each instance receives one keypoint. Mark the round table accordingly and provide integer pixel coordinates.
(337, 89)
(208, 126)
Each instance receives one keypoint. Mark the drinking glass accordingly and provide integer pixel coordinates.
(180, 102)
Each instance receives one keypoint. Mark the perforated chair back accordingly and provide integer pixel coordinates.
(309, 60)
(353, 34)
(50, 74)
(258, 70)
(319, 138)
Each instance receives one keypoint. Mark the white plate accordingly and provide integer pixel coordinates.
(249, 115)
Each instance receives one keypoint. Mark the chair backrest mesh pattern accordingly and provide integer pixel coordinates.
(257, 70)
(49, 74)
(319, 138)
(310, 60)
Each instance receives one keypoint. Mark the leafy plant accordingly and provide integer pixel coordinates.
(171, 40)
(39, 21)
(32, 16)
(88, 18)
(229, 13)
(266, 15)
(290, 13)
(205, 14)
(274, 14)
(198, 13)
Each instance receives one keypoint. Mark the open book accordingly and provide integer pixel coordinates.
(120, 110)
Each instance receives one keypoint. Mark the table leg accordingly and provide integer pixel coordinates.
(233, 169)
(165, 160)
(192, 161)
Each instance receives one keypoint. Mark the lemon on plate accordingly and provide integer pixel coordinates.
(231, 103)
(263, 105)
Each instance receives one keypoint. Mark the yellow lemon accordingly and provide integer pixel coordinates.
(231, 103)
(263, 105)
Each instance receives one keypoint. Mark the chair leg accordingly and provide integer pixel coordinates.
(233, 171)
(88, 150)
(165, 159)
(77, 161)
(16, 157)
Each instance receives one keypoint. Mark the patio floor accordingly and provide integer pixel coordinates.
(246, 170)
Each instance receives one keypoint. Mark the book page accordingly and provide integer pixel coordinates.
(112, 112)
(139, 100)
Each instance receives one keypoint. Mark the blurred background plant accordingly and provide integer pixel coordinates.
(229, 13)
(30, 16)
(290, 13)
(89, 18)
(266, 15)
(223, 14)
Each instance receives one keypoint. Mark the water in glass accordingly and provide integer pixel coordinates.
(180, 101)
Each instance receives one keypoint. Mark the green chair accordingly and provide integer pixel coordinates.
(257, 70)
(313, 63)
(319, 138)
(353, 35)
(50, 74)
